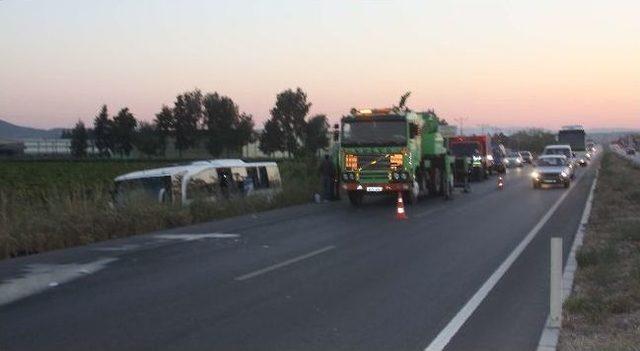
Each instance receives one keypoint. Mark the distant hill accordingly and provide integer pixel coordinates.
(10, 131)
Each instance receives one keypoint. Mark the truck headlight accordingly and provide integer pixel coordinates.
(345, 176)
(404, 175)
(396, 175)
(352, 176)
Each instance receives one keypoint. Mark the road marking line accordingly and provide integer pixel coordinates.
(193, 237)
(39, 277)
(284, 263)
(446, 334)
(549, 336)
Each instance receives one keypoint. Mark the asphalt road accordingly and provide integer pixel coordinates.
(311, 277)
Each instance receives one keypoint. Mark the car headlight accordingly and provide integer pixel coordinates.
(345, 176)
(563, 174)
(396, 175)
(535, 175)
(506, 162)
(352, 176)
(490, 157)
(404, 175)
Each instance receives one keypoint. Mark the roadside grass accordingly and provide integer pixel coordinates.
(603, 312)
(45, 214)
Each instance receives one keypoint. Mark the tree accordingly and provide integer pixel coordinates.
(220, 117)
(533, 140)
(226, 129)
(244, 131)
(124, 128)
(187, 112)
(316, 134)
(289, 113)
(148, 139)
(79, 140)
(165, 125)
(103, 132)
(271, 138)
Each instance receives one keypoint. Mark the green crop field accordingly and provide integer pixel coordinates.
(47, 205)
(40, 177)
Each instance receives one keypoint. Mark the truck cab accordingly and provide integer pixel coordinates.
(391, 151)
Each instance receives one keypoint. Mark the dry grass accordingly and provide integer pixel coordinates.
(603, 312)
(55, 217)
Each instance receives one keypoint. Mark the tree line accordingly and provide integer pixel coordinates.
(211, 120)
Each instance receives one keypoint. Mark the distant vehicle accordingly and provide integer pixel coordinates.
(527, 157)
(204, 180)
(573, 136)
(631, 151)
(499, 158)
(514, 159)
(478, 148)
(564, 150)
(553, 170)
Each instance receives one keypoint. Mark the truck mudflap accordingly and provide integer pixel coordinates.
(376, 187)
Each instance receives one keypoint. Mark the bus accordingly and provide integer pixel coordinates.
(573, 136)
(212, 180)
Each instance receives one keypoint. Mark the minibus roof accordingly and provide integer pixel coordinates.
(191, 168)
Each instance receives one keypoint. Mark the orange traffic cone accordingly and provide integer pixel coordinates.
(400, 214)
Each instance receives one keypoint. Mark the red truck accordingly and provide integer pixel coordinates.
(476, 147)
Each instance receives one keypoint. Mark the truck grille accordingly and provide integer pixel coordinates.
(382, 162)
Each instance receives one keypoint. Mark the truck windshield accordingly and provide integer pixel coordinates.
(464, 149)
(374, 133)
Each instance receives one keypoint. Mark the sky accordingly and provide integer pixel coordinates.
(499, 63)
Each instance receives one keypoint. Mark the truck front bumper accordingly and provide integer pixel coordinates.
(376, 187)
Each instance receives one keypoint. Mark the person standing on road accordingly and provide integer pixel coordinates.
(327, 173)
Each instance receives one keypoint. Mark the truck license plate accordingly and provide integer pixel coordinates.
(374, 189)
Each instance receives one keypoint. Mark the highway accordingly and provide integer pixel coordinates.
(309, 277)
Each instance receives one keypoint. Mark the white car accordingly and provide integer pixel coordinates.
(552, 170)
(514, 159)
(564, 150)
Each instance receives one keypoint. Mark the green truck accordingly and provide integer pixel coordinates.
(391, 151)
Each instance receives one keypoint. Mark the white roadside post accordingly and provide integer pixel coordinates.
(555, 286)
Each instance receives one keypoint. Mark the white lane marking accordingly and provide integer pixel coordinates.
(39, 277)
(192, 237)
(446, 334)
(549, 336)
(284, 263)
(125, 247)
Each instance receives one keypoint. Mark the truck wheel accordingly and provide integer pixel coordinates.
(435, 186)
(355, 198)
(467, 187)
(447, 191)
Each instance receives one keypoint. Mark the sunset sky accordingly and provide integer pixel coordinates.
(503, 63)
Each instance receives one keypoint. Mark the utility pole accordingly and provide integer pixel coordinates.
(461, 121)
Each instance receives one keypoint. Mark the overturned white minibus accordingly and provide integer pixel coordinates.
(204, 180)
